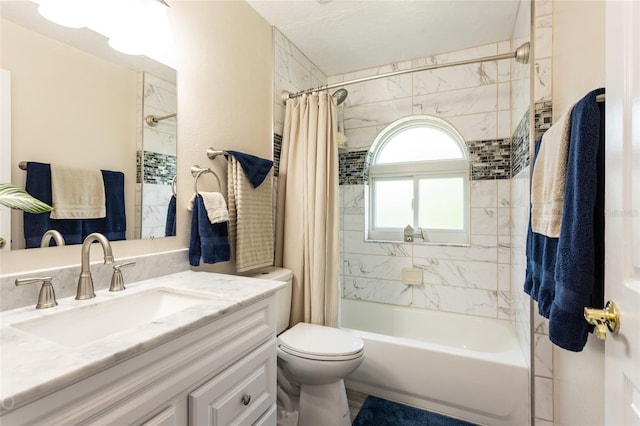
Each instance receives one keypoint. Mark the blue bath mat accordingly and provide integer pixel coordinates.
(380, 412)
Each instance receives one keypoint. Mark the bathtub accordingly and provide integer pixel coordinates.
(465, 367)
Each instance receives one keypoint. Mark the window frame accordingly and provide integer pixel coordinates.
(415, 171)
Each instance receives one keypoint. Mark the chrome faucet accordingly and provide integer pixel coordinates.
(52, 233)
(85, 282)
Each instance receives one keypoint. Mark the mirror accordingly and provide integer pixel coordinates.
(78, 103)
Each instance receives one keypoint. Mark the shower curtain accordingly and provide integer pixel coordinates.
(307, 214)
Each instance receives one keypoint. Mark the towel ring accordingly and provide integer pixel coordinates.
(174, 189)
(197, 171)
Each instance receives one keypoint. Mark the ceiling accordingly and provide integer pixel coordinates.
(341, 36)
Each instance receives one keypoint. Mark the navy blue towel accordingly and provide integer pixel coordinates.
(170, 225)
(566, 274)
(38, 184)
(209, 241)
(541, 262)
(255, 168)
(114, 224)
(579, 270)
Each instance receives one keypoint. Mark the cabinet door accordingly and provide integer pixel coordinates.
(168, 417)
(269, 418)
(240, 395)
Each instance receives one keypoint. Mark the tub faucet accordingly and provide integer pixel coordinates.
(85, 282)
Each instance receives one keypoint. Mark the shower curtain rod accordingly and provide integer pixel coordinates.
(521, 54)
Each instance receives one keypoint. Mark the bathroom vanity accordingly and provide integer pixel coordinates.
(192, 348)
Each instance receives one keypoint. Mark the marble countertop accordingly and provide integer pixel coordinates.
(32, 367)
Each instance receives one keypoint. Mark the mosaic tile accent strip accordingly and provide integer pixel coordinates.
(353, 167)
(490, 159)
(138, 166)
(159, 168)
(277, 149)
(520, 146)
(542, 118)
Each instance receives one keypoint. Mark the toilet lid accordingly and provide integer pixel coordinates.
(320, 342)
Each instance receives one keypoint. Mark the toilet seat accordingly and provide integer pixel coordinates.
(317, 342)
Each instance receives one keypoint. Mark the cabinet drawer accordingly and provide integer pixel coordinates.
(240, 394)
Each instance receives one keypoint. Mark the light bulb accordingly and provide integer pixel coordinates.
(68, 13)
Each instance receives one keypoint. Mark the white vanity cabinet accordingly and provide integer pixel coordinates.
(220, 373)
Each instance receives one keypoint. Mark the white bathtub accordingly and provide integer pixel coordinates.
(461, 366)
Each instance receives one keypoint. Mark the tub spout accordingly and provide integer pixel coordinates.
(85, 282)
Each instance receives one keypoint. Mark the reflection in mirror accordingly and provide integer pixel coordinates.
(76, 102)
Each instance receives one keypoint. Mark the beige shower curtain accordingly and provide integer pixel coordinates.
(307, 208)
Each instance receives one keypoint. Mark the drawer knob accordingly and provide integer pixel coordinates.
(246, 399)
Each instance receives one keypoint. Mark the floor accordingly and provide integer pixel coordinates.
(356, 399)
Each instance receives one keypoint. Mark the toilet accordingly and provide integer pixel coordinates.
(313, 361)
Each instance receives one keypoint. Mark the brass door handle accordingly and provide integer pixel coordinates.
(609, 316)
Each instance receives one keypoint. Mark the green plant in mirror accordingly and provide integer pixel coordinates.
(17, 198)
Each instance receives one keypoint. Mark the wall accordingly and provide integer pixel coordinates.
(578, 68)
(46, 73)
(225, 69)
(225, 91)
(475, 98)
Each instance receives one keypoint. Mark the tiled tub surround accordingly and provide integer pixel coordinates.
(473, 98)
(470, 279)
(474, 279)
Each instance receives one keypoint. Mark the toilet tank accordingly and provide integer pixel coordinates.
(283, 296)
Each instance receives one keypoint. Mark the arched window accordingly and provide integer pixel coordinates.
(419, 176)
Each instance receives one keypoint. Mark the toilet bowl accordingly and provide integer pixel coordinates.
(313, 361)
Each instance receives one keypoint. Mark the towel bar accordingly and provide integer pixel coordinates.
(197, 171)
(174, 182)
(213, 153)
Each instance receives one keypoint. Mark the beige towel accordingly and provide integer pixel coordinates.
(251, 219)
(215, 205)
(548, 179)
(77, 193)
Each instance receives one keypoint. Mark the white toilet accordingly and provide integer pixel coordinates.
(313, 360)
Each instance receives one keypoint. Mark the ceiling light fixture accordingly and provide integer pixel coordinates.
(68, 13)
(132, 27)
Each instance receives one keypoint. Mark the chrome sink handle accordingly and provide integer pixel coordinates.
(117, 282)
(47, 297)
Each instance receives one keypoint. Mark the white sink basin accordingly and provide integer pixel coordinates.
(86, 324)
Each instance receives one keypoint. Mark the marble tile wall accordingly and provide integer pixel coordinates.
(542, 348)
(521, 122)
(156, 157)
(474, 98)
(472, 279)
(293, 72)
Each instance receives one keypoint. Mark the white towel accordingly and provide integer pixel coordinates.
(77, 193)
(215, 205)
(251, 219)
(548, 179)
